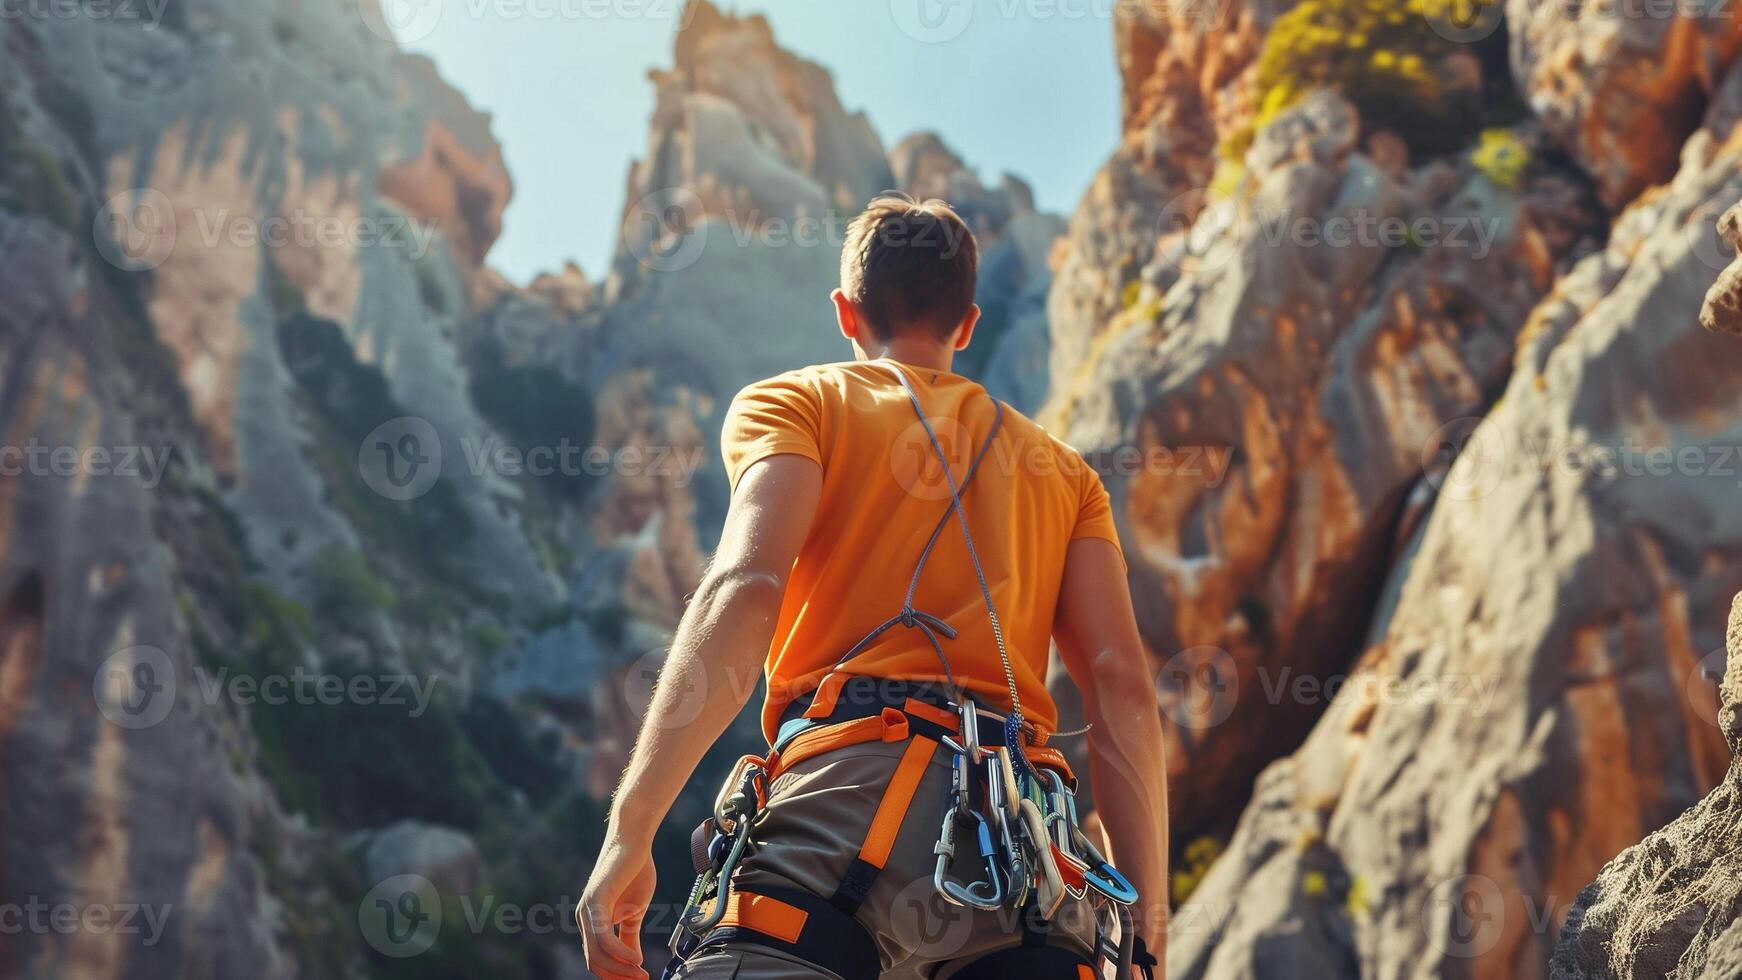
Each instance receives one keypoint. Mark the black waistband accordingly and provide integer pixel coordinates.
(830, 938)
(863, 696)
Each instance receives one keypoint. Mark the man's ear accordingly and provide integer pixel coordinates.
(965, 332)
(847, 315)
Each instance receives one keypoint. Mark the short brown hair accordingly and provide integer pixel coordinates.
(910, 266)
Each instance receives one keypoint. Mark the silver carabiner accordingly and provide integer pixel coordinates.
(986, 895)
(1003, 804)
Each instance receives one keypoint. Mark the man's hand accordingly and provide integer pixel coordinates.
(612, 907)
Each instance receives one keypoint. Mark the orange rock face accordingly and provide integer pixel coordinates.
(1276, 402)
(1541, 691)
(457, 180)
(1621, 87)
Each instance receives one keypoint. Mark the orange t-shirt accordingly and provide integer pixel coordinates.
(883, 492)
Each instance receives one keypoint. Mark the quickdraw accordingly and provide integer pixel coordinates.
(726, 834)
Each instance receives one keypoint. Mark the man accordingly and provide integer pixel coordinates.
(836, 483)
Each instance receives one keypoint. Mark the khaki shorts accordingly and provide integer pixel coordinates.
(816, 818)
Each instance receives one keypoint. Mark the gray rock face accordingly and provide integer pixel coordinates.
(1671, 905)
(1620, 90)
(448, 858)
(1539, 694)
(1292, 364)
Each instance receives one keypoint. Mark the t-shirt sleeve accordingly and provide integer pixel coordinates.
(768, 418)
(1095, 510)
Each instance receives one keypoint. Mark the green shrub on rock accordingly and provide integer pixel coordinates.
(1386, 58)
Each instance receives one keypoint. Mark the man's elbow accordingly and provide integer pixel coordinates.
(741, 584)
(1121, 675)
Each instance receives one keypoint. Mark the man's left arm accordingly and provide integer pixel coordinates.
(723, 637)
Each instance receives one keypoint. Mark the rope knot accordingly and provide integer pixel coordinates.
(909, 617)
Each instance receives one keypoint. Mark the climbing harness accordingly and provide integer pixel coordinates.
(1011, 795)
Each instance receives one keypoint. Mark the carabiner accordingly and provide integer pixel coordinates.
(1050, 888)
(986, 895)
(1102, 876)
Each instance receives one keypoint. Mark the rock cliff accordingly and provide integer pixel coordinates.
(1383, 325)
(316, 440)
(1445, 527)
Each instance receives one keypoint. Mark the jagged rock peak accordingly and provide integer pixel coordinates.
(926, 167)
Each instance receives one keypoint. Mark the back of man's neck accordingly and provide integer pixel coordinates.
(921, 356)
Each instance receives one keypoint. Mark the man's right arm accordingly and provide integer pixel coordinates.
(1096, 631)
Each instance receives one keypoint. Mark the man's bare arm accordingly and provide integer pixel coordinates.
(717, 657)
(1096, 631)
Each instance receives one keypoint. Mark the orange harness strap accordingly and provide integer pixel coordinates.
(769, 916)
(897, 799)
(890, 725)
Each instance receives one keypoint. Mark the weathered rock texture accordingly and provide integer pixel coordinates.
(1276, 391)
(1621, 86)
(1439, 518)
(338, 434)
(1671, 905)
(1722, 309)
(1533, 699)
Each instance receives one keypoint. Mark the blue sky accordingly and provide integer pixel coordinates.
(1025, 86)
